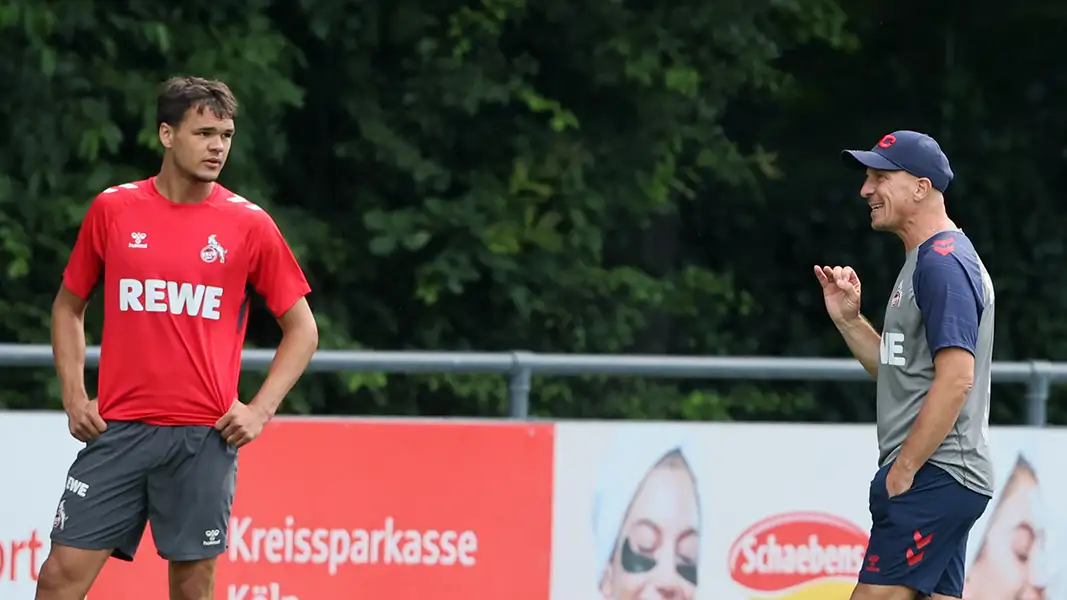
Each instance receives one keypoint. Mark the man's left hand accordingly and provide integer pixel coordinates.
(898, 480)
(242, 424)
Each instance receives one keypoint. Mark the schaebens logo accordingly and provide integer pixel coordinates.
(799, 555)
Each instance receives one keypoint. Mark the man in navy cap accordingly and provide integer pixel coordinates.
(932, 362)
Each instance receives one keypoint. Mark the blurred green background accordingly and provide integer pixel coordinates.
(598, 176)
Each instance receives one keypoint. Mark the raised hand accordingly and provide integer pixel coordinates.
(841, 291)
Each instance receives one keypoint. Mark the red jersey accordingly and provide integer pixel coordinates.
(176, 281)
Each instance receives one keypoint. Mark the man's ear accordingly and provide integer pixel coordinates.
(922, 188)
(166, 135)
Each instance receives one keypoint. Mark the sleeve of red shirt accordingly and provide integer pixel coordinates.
(86, 262)
(275, 274)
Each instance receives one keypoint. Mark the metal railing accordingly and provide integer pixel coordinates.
(520, 367)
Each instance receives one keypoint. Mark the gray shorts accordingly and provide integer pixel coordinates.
(179, 479)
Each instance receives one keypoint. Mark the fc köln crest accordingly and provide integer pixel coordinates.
(895, 300)
(213, 251)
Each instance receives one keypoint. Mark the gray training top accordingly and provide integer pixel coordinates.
(943, 298)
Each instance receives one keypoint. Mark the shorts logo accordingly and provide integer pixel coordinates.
(212, 536)
(213, 251)
(76, 487)
(61, 516)
(921, 542)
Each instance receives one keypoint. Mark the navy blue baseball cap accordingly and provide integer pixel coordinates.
(911, 151)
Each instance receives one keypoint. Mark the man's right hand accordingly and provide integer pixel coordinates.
(83, 418)
(841, 291)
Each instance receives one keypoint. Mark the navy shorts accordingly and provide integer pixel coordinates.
(919, 538)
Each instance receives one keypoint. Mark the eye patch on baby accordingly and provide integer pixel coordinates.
(634, 562)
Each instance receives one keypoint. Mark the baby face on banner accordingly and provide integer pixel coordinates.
(656, 553)
(1007, 564)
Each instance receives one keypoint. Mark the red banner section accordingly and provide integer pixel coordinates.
(346, 509)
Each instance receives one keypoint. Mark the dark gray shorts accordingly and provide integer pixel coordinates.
(179, 479)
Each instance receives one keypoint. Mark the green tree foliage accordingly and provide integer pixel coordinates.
(79, 88)
(995, 113)
(602, 176)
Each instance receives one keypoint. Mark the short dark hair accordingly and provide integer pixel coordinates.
(178, 94)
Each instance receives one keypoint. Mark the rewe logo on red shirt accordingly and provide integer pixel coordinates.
(157, 295)
(793, 550)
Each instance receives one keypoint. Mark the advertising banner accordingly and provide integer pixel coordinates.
(717, 511)
(754, 512)
(348, 508)
(1016, 550)
(35, 452)
(375, 509)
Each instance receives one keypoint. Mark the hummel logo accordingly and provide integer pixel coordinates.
(138, 240)
(921, 542)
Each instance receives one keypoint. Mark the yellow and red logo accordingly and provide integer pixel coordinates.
(800, 556)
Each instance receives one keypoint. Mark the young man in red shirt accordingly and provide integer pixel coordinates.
(176, 256)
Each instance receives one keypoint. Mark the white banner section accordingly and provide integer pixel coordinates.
(35, 452)
(755, 512)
